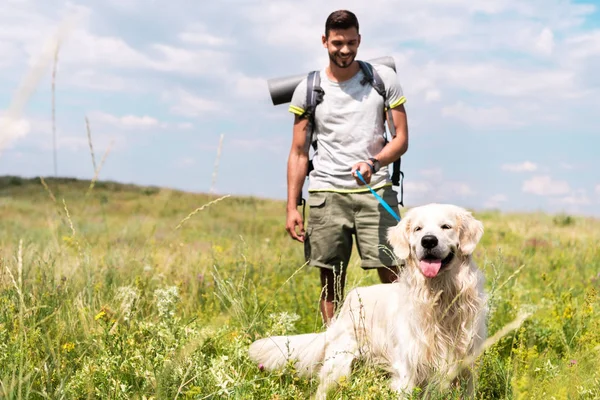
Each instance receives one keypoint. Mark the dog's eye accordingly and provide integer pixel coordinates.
(446, 226)
(417, 229)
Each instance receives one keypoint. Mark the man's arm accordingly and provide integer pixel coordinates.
(398, 145)
(392, 151)
(296, 174)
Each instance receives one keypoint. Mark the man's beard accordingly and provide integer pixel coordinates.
(342, 63)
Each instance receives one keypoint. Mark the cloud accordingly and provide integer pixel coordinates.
(97, 81)
(545, 42)
(480, 117)
(11, 130)
(597, 190)
(418, 188)
(434, 173)
(495, 200)
(250, 87)
(498, 80)
(432, 95)
(189, 105)
(199, 34)
(275, 146)
(185, 162)
(579, 198)
(526, 166)
(584, 45)
(545, 186)
(438, 191)
(125, 121)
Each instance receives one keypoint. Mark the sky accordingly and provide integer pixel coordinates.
(503, 96)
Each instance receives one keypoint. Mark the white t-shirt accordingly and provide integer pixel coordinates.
(349, 127)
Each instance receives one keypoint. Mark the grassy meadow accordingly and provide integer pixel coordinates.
(126, 292)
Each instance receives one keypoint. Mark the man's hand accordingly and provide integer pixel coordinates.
(294, 219)
(365, 170)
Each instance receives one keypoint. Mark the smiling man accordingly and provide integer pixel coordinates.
(348, 126)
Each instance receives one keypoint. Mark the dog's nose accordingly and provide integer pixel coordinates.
(429, 241)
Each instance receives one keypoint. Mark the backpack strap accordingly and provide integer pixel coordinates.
(372, 77)
(314, 96)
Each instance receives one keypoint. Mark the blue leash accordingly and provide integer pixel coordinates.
(378, 197)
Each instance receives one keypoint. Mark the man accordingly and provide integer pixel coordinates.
(349, 129)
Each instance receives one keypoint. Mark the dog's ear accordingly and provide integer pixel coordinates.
(470, 232)
(398, 237)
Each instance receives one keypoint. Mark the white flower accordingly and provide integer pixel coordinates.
(282, 322)
(166, 301)
(128, 295)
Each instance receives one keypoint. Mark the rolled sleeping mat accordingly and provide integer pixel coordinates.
(282, 89)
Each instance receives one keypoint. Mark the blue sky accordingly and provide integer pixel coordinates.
(503, 95)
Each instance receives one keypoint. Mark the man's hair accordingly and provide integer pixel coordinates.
(340, 19)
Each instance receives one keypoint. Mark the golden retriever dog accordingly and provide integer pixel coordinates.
(422, 328)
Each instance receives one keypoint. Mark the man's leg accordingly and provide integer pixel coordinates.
(332, 292)
(388, 274)
(372, 224)
(329, 246)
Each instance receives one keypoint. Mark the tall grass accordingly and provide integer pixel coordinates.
(123, 292)
(131, 292)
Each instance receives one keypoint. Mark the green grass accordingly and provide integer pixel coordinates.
(110, 295)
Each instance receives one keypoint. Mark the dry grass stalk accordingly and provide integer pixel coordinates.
(216, 168)
(197, 210)
(89, 135)
(31, 81)
(95, 178)
(54, 108)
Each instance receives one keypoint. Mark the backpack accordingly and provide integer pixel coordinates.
(314, 96)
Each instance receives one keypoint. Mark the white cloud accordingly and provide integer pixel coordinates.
(480, 117)
(11, 130)
(251, 88)
(435, 173)
(458, 188)
(185, 162)
(417, 187)
(126, 121)
(545, 186)
(545, 42)
(439, 190)
(198, 34)
(495, 200)
(185, 125)
(498, 80)
(432, 95)
(190, 105)
(526, 166)
(566, 165)
(274, 146)
(584, 45)
(96, 80)
(578, 198)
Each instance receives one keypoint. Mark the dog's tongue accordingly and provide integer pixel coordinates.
(430, 268)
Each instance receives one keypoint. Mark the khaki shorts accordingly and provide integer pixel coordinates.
(333, 219)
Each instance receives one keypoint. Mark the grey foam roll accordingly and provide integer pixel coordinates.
(282, 89)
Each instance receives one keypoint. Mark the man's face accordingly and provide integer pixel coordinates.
(342, 46)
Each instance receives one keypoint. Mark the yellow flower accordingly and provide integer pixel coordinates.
(68, 347)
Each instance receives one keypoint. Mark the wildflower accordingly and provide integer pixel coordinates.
(128, 296)
(261, 367)
(166, 300)
(283, 322)
(572, 363)
(68, 347)
(100, 315)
